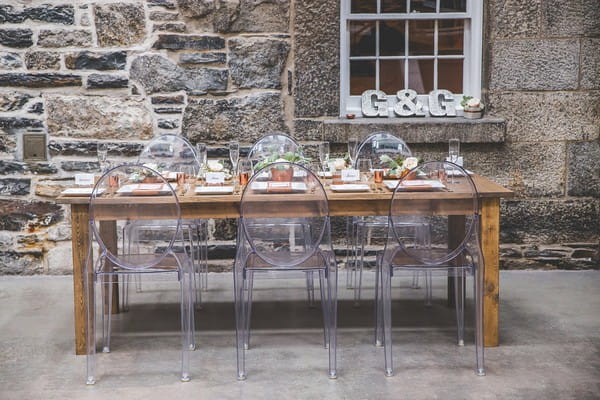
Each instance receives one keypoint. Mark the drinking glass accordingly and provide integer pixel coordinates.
(102, 149)
(364, 165)
(202, 154)
(245, 169)
(352, 148)
(234, 155)
(453, 150)
(324, 155)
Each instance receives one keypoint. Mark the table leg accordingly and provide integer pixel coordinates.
(108, 232)
(490, 245)
(80, 242)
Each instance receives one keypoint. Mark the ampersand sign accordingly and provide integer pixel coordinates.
(408, 105)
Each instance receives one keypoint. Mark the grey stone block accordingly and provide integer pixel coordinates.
(548, 221)
(42, 60)
(571, 18)
(17, 38)
(120, 24)
(60, 14)
(95, 60)
(252, 16)
(168, 123)
(64, 38)
(17, 263)
(168, 110)
(257, 62)
(169, 27)
(14, 186)
(197, 8)
(13, 101)
(36, 108)
(163, 16)
(9, 123)
(98, 117)
(168, 4)
(195, 42)
(535, 64)
(316, 58)
(39, 80)
(158, 74)
(242, 118)
(42, 168)
(203, 58)
(15, 215)
(418, 130)
(84, 166)
(87, 148)
(514, 18)
(102, 81)
(548, 116)
(178, 99)
(11, 167)
(584, 169)
(590, 63)
(10, 60)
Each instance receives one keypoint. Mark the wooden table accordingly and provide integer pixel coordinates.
(340, 204)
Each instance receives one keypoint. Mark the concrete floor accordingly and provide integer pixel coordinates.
(550, 344)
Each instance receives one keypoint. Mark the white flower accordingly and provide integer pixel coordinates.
(281, 160)
(339, 163)
(474, 102)
(153, 166)
(215, 166)
(410, 162)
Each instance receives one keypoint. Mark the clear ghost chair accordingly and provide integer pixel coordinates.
(363, 229)
(173, 153)
(107, 205)
(269, 213)
(454, 248)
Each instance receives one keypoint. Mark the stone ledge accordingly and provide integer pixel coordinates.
(419, 130)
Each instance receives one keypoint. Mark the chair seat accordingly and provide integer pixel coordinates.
(314, 262)
(403, 260)
(168, 264)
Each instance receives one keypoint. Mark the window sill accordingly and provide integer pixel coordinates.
(419, 130)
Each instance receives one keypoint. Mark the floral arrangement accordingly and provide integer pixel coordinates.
(399, 165)
(292, 157)
(472, 106)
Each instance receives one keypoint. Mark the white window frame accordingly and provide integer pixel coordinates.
(473, 37)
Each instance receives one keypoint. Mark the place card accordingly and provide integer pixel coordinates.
(214, 178)
(84, 179)
(350, 175)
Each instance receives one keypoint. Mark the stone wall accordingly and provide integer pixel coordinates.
(123, 72)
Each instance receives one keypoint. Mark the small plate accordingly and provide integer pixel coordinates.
(214, 189)
(146, 189)
(350, 187)
(79, 191)
(278, 187)
(420, 185)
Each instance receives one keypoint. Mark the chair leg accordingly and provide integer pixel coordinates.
(324, 309)
(350, 242)
(240, 323)
(428, 288)
(332, 303)
(378, 305)
(187, 323)
(478, 281)
(106, 311)
(310, 289)
(248, 309)
(89, 282)
(386, 283)
(459, 301)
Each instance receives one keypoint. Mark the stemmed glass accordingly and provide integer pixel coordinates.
(234, 155)
(453, 155)
(352, 148)
(324, 155)
(102, 149)
(364, 165)
(202, 154)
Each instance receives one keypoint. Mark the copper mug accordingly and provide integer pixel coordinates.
(378, 175)
(113, 181)
(244, 176)
(180, 178)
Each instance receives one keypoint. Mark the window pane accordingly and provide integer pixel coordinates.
(453, 5)
(362, 76)
(391, 76)
(420, 38)
(363, 6)
(362, 38)
(393, 6)
(450, 75)
(391, 38)
(451, 34)
(420, 75)
(422, 6)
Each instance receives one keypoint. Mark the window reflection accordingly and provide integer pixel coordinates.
(391, 38)
(420, 38)
(420, 75)
(362, 38)
(362, 76)
(425, 6)
(391, 76)
(450, 36)
(393, 6)
(453, 5)
(363, 6)
(450, 75)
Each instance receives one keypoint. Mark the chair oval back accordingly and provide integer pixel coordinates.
(170, 152)
(273, 145)
(284, 214)
(382, 143)
(123, 192)
(450, 224)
